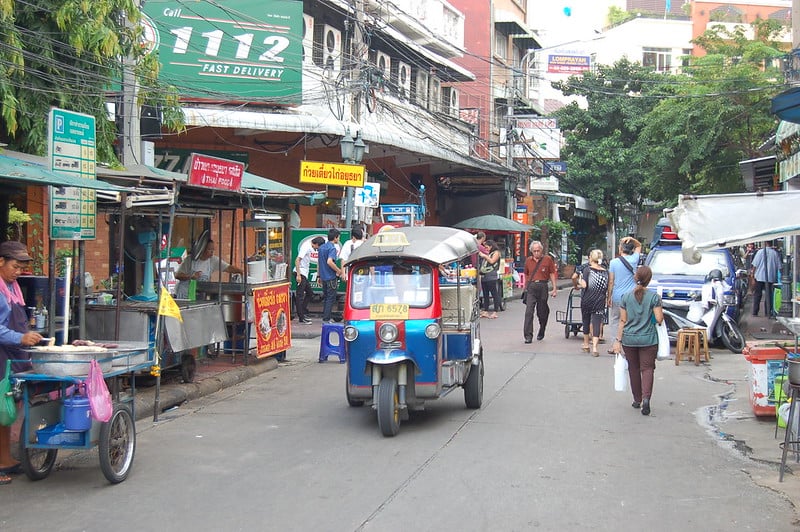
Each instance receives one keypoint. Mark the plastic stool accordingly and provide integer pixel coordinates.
(332, 342)
(689, 342)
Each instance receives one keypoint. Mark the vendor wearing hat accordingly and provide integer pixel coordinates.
(200, 269)
(14, 334)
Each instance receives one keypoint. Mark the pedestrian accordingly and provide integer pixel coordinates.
(640, 312)
(329, 272)
(356, 239)
(201, 269)
(490, 280)
(14, 334)
(621, 270)
(302, 266)
(594, 299)
(765, 268)
(538, 269)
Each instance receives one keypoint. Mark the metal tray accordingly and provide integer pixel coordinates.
(69, 364)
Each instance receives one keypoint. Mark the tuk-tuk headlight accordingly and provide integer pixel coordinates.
(350, 333)
(388, 332)
(433, 331)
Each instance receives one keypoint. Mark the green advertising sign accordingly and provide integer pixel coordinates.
(301, 239)
(246, 50)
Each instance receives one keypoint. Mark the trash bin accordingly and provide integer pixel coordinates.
(765, 364)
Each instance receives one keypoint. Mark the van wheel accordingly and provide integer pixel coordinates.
(388, 407)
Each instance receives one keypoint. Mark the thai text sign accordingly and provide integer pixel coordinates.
(568, 64)
(236, 50)
(340, 175)
(71, 150)
(271, 319)
(213, 172)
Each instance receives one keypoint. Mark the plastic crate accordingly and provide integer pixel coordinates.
(59, 435)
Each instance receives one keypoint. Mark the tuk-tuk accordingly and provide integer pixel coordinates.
(412, 322)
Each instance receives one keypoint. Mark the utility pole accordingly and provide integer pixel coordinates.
(357, 54)
(130, 136)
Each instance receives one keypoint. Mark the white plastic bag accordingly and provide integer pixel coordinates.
(620, 373)
(663, 342)
(99, 398)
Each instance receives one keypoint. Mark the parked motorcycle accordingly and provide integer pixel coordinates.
(708, 312)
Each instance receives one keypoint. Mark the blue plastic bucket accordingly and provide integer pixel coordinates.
(76, 413)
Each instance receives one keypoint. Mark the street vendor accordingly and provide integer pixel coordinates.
(200, 269)
(13, 334)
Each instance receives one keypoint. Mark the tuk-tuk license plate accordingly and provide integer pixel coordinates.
(388, 311)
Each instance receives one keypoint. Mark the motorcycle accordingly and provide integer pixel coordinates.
(710, 312)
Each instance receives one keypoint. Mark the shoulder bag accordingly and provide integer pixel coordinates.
(524, 296)
(8, 408)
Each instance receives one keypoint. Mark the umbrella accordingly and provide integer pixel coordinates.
(492, 222)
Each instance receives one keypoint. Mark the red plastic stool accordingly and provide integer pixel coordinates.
(521, 282)
(332, 342)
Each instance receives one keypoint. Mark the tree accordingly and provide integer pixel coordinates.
(68, 54)
(694, 139)
(603, 162)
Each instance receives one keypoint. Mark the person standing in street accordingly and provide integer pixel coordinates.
(640, 312)
(302, 265)
(329, 272)
(356, 239)
(14, 334)
(620, 278)
(594, 282)
(489, 278)
(538, 269)
(765, 268)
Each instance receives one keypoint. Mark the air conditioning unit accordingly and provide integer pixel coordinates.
(308, 39)
(384, 64)
(403, 79)
(435, 95)
(421, 88)
(450, 101)
(331, 44)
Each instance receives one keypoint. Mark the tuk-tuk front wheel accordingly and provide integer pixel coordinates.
(473, 387)
(388, 407)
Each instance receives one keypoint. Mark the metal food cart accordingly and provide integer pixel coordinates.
(51, 423)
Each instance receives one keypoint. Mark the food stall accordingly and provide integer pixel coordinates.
(218, 314)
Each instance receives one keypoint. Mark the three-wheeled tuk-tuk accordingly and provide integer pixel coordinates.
(412, 322)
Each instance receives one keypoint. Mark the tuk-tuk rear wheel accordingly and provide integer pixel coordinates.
(388, 407)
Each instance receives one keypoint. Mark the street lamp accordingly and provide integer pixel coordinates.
(352, 153)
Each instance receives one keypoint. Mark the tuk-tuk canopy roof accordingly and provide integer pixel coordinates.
(439, 245)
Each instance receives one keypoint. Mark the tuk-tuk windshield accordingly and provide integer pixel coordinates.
(391, 283)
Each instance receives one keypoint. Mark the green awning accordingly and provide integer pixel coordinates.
(256, 185)
(30, 173)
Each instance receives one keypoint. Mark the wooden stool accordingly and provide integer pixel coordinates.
(689, 342)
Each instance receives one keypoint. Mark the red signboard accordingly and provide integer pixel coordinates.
(213, 172)
(271, 319)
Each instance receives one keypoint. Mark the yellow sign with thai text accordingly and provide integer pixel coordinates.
(340, 175)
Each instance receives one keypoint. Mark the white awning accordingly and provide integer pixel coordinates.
(724, 220)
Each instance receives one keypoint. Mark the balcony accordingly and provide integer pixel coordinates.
(434, 24)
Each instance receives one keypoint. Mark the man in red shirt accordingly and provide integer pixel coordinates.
(538, 269)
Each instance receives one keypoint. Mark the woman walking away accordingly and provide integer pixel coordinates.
(594, 282)
(640, 311)
(490, 264)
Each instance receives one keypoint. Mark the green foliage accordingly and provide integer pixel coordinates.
(617, 15)
(604, 162)
(549, 232)
(68, 54)
(16, 219)
(36, 246)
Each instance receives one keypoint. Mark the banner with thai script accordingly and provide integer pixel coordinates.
(271, 321)
(213, 172)
(340, 175)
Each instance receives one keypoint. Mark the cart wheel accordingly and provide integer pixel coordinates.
(350, 400)
(567, 330)
(388, 407)
(576, 329)
(36, 463)
(473, 388)
(188, 368)
(117, 445)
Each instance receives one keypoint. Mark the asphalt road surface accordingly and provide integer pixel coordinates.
(553, 448)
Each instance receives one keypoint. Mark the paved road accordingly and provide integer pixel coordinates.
(553, 448)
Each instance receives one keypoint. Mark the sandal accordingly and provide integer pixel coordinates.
(4, 479)
(585, 348)
(484, 314)
(595, 354)
(492, 316)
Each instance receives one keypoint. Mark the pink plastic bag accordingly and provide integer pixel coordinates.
(97, 391)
